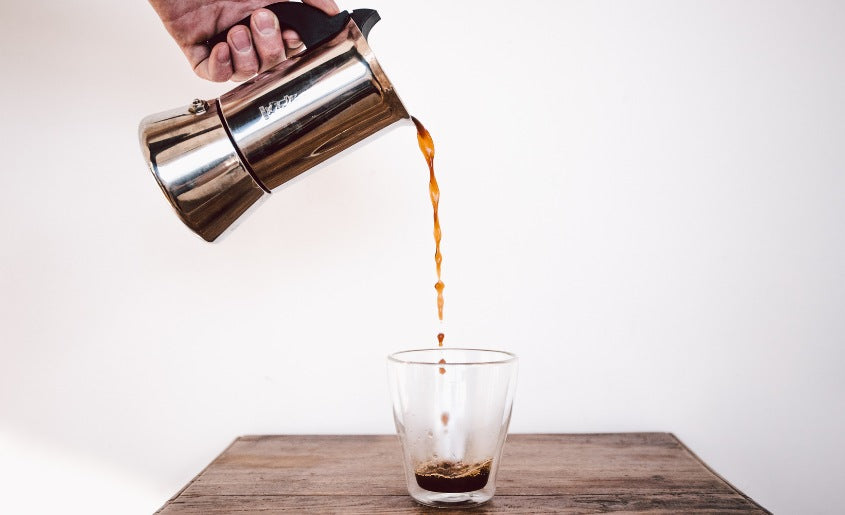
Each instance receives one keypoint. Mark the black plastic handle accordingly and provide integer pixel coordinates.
(313, 25)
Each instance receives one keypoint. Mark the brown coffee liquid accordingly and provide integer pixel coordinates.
(453, 477)
(444, 476)
(427, 148)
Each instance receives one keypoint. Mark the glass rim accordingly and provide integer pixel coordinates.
(509, 357)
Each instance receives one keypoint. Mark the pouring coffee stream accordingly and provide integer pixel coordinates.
(426, 144)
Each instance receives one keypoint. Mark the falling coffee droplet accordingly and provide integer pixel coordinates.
(427, 147)
(439, 287)
(444, 418)
(440, 339)
(442, 362)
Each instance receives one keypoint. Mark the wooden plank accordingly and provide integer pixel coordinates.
(584, 473)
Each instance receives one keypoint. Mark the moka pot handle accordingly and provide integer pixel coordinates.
(313, 25)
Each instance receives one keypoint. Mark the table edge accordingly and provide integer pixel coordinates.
(194, 479)
(721, 478)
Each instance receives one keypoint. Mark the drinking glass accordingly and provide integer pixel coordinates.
(452, 408)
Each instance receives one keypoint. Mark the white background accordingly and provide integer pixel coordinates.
(644, 200)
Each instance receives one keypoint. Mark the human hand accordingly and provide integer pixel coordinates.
(247, 50)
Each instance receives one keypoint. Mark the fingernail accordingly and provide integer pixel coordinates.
(240, 39)
(265, 22)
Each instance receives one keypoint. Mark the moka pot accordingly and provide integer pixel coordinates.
(215, 159)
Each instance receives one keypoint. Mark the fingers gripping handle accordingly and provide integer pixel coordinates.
(313, 25)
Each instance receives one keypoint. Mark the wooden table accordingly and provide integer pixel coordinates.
(554, 473)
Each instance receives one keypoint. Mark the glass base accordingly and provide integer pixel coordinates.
(451, 500)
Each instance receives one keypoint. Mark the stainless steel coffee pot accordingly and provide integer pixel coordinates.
(215, 159)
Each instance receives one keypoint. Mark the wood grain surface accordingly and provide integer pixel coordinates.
(554, 473)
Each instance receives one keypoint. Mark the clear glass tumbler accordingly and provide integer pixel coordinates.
(452, 408)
